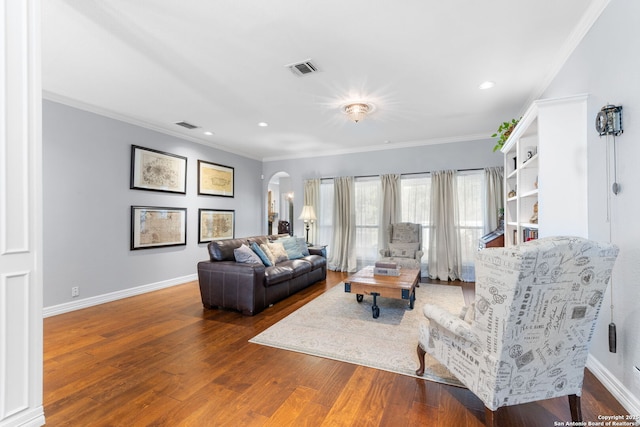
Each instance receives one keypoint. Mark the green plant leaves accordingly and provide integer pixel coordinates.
(504, 131)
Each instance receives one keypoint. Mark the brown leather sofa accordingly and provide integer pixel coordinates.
(250, 288)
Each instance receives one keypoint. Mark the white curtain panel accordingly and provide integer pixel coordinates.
(325, 215)
(312, 198)
(445, 261)
(390, 209)
(493, 197)
(343, 257)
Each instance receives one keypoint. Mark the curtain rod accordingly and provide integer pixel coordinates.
(409, 173)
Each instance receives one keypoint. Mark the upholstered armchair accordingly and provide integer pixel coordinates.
(404, 245)
(526, 336)
(284, 227)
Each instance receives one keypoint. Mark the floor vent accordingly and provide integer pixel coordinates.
(187, 125)
(303, 68)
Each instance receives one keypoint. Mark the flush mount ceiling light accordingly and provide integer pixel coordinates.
(357, 111)
(487, 85)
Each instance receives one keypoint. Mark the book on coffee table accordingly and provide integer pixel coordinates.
(382, 268)
(386, 264)
(386, 271)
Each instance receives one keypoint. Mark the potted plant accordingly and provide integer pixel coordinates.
(504, 130)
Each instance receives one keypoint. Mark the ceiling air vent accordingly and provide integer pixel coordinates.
(187, 125)
(303, 68)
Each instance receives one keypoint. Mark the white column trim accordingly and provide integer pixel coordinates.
(21, 217)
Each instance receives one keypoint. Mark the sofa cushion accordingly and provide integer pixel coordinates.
(277, 274)
(263, 257)
(278, 251)
(403, 250)
(259, 239)
(316, 261)
(292, 247)
(245, 255)
(222, 250)
(297, 266)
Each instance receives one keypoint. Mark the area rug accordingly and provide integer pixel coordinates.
(336, 326)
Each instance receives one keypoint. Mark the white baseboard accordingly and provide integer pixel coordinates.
(29, 418)
(113, 296)
(615, 387)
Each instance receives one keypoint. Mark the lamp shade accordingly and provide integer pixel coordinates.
(308, 214)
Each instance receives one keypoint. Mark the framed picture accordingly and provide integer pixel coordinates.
(215, 224)
(158, 171)
(153, 227)
(214, 179)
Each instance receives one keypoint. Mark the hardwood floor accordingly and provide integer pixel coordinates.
(159, 359)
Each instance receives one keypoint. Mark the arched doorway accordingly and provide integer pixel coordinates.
(280, 204)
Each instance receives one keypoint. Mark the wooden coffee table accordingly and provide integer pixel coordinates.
(364, 282)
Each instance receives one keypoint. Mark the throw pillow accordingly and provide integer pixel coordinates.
(278, 251)
(403, 250)
(302, 245)
(263, 257)
(245, 255)
(468, 313)
(291, 246)
(268, 253)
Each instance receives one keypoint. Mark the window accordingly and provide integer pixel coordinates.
(471, 218)
(367, 209)
(415, 207)
(415, 196)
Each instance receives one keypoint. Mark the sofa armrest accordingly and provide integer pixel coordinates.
(451, 324)
(234, 285)
(322, 251)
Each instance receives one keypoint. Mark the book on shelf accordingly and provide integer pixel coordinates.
(529, 234)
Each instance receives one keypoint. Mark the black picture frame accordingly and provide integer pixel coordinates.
(215, 179)
(155, 170)
(157, 227)
(216, 224)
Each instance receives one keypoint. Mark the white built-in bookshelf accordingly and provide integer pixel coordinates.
(545, 161)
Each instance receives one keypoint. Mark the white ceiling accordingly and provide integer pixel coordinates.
(221, 65)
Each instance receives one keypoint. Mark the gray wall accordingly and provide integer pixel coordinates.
(426, 158)
(87, 204)
(606, 66)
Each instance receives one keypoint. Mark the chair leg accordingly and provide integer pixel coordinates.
(490, 418)
(575, 407)
(421, 354)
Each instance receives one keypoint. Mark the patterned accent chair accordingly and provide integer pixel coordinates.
(405, 245)
(526, 336)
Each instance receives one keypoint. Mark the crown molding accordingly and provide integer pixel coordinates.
(50, 96)
(381, 147)
(590, 17)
